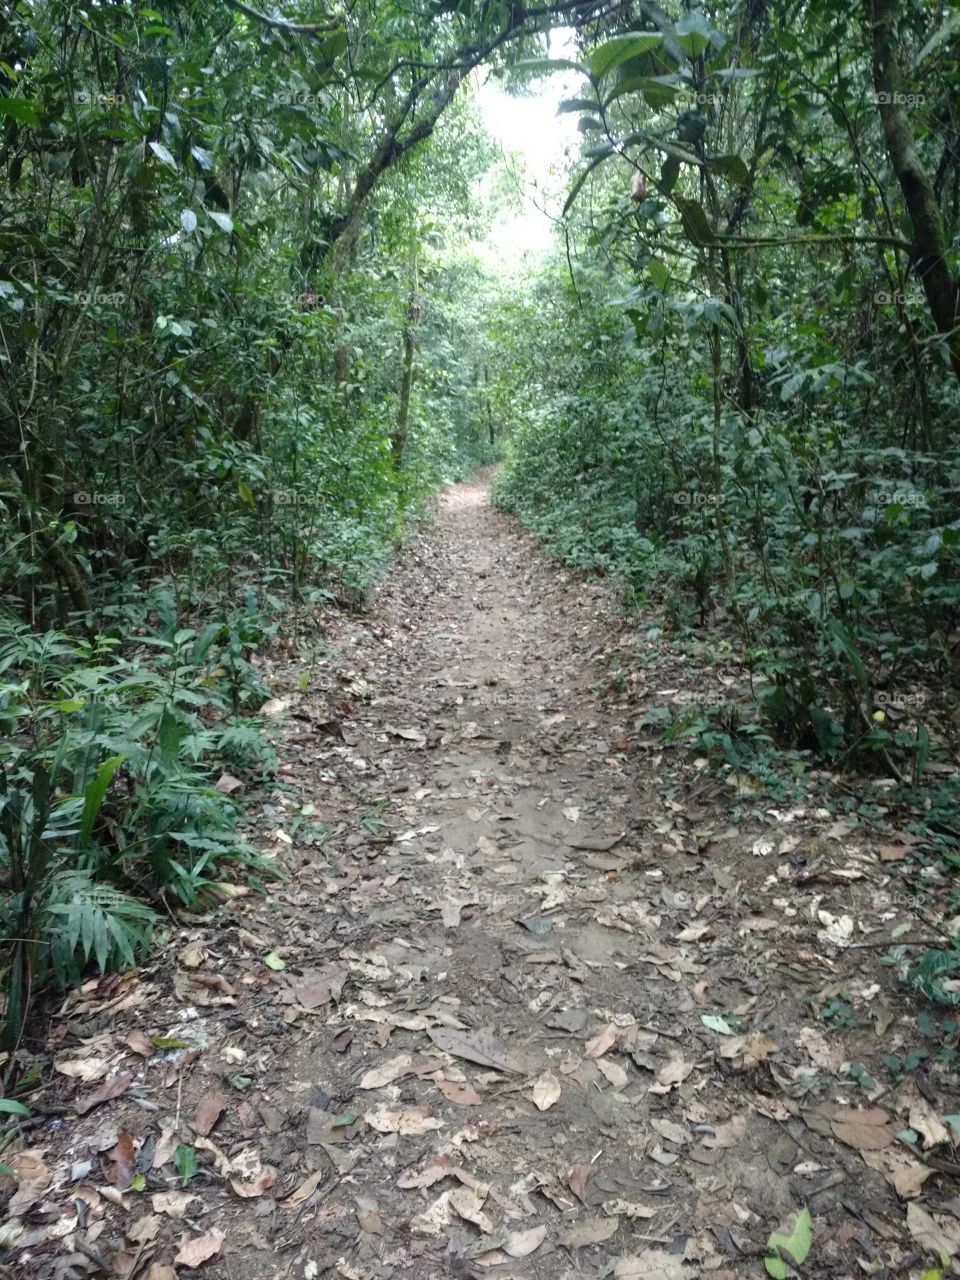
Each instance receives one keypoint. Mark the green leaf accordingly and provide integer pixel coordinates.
(658, 91)
(188, 220)
(20, 109)
(94, 795)
(163, 155)
(185, 1163)
(575, 104)
(604, 152)
(696, 224)
(223, 220)
(546, 66)
(10, 1107)
(246, 494)
(273, 961)
(796, 1245)
(692, 33)
(731, 167)
(847, 644)
(717, 1023)
(669, 173)
(620, 49)
(659, 273)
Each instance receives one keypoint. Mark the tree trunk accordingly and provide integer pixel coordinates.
(929, 241)
(399, 440)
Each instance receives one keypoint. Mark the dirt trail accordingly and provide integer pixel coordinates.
(547, 1003)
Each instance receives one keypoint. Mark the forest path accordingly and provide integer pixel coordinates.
(538, 1006)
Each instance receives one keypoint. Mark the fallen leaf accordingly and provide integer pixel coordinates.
(830, 1057)
(614, 1072)
(469, 1205)
(227, 784)
(209, 1110)
(408, 1123)
(33, 1178)
(936, 1234)
(865, 1128)
(86, 1069)
(652, 1264)
(628, 1209)
(274, 706)
(924, 1120)
(475, 1046)
(305, 1190)
(434, 1218)
(577, 1180)
(546, 1091)
(670, 1075)
(196, 1250)
(460, 1094)
(109, 1090)
(522, 1243)
(748, 1051)
(601, 1042)
(173, 1203)
(140, 1043)
(123, 1162)
(144, 1229)
(590, 1231)
(387, 1072)
(261, 1183)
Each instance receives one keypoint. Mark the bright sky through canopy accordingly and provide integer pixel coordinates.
(540, 146)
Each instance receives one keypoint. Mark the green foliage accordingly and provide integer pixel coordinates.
(789, 1248)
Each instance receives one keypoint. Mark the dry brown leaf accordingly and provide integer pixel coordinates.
(195, 1250)
(209, 1110)
(577, 1180)
(305, 1190)
(901, 1171)
(727, 1135)
(522, 1243)
(925, 1121)
(652, 1264)
(158, 1272)
(475, 1046)
(412, 1179)
(934, 1233)
(828, 1055)
(749, 1051)
(590, 1231)
(469, 1205)
(257, 1186)
(614, 1072)
(627, 1209)
(601, 1042)
(109, 1090)
(86, 1069)
(865, 1128)
(461, 1094)
(139, 1043)
(409, 1123)
(670, 1075)
(387, 1072)
(123, 1162)
(144, 1229)
(173, 1203)
(546, 1091)
(193, 956)
(33, 1178)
